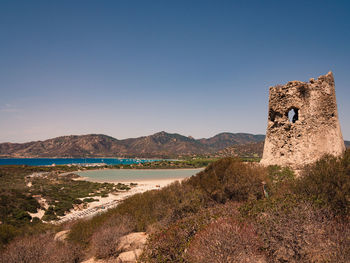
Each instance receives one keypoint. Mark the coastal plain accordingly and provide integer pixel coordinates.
(31, 196)
(139, 181)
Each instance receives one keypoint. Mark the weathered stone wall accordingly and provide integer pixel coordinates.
(315, 129)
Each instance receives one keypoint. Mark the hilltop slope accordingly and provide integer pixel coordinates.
(347, 144)
(252, 149)
(160, 144)
(225, 139)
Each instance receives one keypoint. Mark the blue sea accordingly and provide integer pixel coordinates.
(64, 161)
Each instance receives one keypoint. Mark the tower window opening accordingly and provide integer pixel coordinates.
(293, 115)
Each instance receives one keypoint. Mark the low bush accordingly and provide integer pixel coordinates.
(327, 183)
(280, 181)
(230, 212)
(162, 207)
(104, 241)
(89, 200)
(170, 243)
(226, 241)
(339, 235)
(14, 206)
(297, 234)
(224, 180)
(7, 233)
(40, 249)
(82, 230)
(231, 179)
(49, 214)
(10, 232)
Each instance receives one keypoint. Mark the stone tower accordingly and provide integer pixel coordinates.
(303, 123)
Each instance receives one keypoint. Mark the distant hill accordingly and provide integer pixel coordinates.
(223, 140)
(253, 149)
(161, 144)
(347, 144)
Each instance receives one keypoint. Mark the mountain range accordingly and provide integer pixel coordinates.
(251, 149)
(347, 144)
(161, 144)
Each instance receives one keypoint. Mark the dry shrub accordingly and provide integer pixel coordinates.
(231, 179)
(339, 235)
(298, 234)
(164, 206)
(327, 183)
(39, 249)
(104, 240)
(169, 244)
(225, 241)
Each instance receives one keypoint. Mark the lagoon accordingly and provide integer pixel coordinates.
(136, 175)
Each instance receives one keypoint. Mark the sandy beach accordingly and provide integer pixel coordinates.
(113, 199)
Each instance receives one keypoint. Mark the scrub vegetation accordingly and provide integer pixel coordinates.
(26, 189)
(230, 212)
(190, 162)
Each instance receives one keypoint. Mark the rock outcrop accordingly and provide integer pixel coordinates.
(61, 236)
(131, 247)
(303, 123)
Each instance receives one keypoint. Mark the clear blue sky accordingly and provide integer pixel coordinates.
(132, 68)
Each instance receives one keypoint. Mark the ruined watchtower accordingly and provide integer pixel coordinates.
(303, 123)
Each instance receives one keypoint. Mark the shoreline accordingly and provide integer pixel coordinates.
(131, 180)
(163, 181)
(114, 199)
(140, 169)
(127, 169)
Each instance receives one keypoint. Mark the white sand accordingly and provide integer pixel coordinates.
(40, 213)
(113, 200)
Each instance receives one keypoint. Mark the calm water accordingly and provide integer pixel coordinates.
(61, 161)
(130, 175)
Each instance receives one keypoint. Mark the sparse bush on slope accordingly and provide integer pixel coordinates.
(299, 231)
(226, 241)
(297, 234)
(160, 207)
(327, 183)
(306, 219)
(40, 249)
(290, 225)
(163, 206)
(223, 214)
(104, 240)
(228, 178)
(170, 243)
(231, 179)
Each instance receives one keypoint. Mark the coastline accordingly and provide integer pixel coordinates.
(162, 182)
(113, 199)
(139, 169)
(129, 177)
